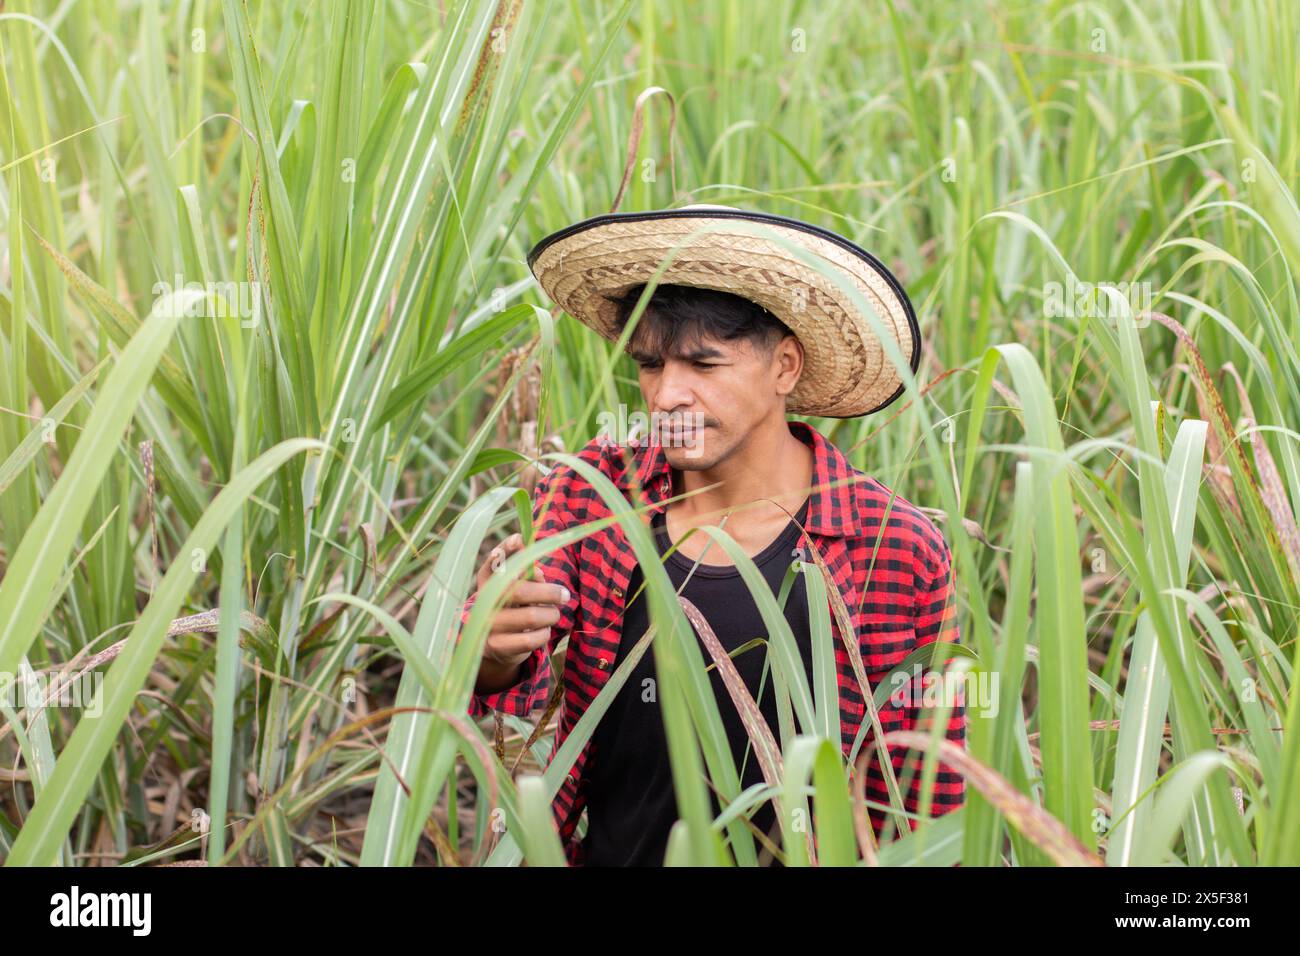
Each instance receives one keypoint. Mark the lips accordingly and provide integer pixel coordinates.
(676, 434)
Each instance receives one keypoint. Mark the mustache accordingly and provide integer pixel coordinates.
(683, 420)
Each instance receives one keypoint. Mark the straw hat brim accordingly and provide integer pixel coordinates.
(846, 372)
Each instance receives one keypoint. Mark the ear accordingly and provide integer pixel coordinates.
(787, 362)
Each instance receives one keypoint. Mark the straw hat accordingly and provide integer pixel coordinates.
(846, 372)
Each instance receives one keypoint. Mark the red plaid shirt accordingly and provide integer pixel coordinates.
(903, 601)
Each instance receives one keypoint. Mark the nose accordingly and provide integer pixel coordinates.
(673, 390)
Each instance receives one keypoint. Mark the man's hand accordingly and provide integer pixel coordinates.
(523, 623)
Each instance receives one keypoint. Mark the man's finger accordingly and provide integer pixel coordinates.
(485, 569)
(536, 592)
(522, 642)
(496, 558)
(512, 620)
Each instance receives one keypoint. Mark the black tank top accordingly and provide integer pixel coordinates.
(630, 801)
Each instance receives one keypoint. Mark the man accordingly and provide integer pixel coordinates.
(740, 332)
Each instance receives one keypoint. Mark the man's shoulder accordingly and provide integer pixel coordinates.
(882, 511)
(608, 458)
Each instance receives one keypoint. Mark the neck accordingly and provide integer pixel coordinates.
(770, 464)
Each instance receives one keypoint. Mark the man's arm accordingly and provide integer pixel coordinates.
(496, 676)
(518, 688)
(936, 620)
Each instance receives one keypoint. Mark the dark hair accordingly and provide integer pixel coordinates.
(677, 316)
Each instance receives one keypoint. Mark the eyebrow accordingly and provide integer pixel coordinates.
(695, 355)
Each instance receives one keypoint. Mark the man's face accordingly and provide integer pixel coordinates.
(708, 395)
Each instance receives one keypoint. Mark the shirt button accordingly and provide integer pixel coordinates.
(602, 664)
(618, 592)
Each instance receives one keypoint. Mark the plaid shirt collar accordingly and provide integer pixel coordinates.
(831, 510)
